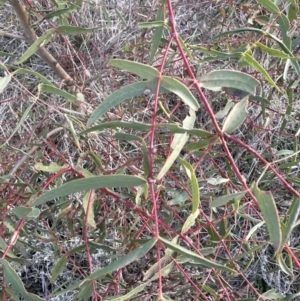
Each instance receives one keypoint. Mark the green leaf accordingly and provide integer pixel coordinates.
(270, 214)
(195, 187)
(86, 291)
(57, 91)
(58, 267)
(201, 144)
(272, 295)
(293, 10)
(151, 24)
(256, 65)
(272, 51)
(160, 17)
(223, 200)
(131, 295)
(4, 81)
(174, 155)
(178, 143)
(195, 257)
(19, 124)
(175, 86)
(88, 206)
(173, 128)
(26, 212)
(123, 261)
(41, 41)
(292, 216)
(39, 76)
(52, 168)
(236, 116)
(89, 183)
(185, 48)
(216, 80)
(56, 13)
(284, 26)
(117, 97)
(139, 69)
(283, 266)
(190, 221)
(75, 30)
(269, 5)
(12, 278)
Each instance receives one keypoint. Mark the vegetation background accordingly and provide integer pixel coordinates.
(149, 150)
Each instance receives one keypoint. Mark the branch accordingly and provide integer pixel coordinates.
(31, 37)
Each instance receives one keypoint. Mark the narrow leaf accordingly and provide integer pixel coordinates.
(236, 116)
(292, 214)
(12, 278)
(173, 128)
(74, 30)
(269, 5)
(19, 124)
(88, 206)
(57, 91)
(139, 69)
(216, 80)
(4, 81)
(160, 17)
(272, 51)
(256, 65)
(223, 200)
(174, 155)
(25, 212)
(151, 24)
(52, 167)
(123, 261)
(195, 187)
(38, 75)
(175, 86)
(41, 41)
(195, 257)
(88, 184)
(117, 97)
(58, 267)
(270, 214)
(190, 221)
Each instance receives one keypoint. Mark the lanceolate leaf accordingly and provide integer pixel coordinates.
(270, 214)
(223, 200)
(4, 81)
(272, 51)
(142, 70)
(172, 127)
(117, 97)
(12, 278)
(236, 116)
(57, 91)
(74, 30)
(173, 85)
(292, 216)
(174, 155)
(216, 80)
(123, 261)
(256, 65)
(269, 5)
(89, 183)
(195, 257)
(194, 182)
(41, 41)
(160, 17)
